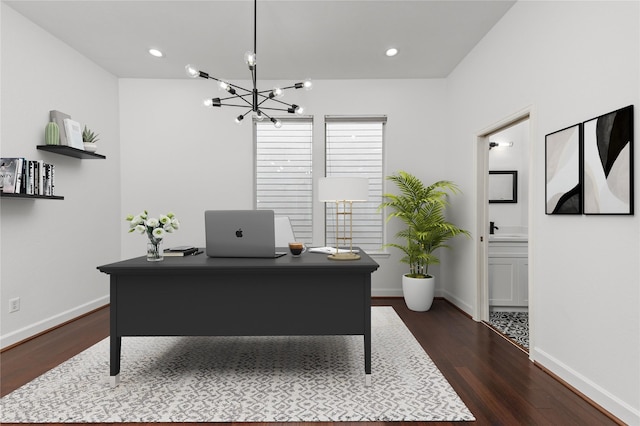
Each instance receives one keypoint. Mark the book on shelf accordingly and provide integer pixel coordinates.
(181, 251)
(11, 172)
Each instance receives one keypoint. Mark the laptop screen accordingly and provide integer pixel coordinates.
(239, 233)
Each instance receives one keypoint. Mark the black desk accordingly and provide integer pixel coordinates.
(202, 296)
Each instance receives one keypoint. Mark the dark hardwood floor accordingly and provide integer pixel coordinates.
(493, 377)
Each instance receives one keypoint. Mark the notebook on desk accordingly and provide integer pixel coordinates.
(240, 233)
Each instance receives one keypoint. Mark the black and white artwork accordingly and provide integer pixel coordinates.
(562, 171)
(608, 163)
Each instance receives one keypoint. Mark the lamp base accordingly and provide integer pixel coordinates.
(344, 256)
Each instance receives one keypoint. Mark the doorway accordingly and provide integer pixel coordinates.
(503, 219)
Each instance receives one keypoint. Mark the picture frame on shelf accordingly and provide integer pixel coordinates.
(74, 133)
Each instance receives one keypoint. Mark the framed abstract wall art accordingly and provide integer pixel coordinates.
(563, 171)
(608, 163)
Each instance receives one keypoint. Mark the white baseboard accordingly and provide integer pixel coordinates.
(591, 390)
(33, 329)
(461, 304)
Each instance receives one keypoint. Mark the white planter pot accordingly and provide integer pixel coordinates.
(418, 292)
(90, 146)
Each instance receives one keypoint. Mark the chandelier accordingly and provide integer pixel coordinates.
(258, 101)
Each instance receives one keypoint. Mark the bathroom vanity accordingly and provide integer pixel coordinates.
(508, 276)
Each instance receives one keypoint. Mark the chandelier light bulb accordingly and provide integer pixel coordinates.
(277, 93)
(226, 86)
(208, 102)
(192, 71)
(239, 119)
(250, 59)
(156, 52)
(259, 116)
(307, 84)
(299, 110)
(276, 123)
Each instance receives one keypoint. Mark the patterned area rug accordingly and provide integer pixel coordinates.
(514, 325)
(245, 379)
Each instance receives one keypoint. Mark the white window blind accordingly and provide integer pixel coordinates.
(354, 148)
(283, 172)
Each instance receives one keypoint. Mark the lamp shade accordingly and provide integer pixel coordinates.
(343, 189)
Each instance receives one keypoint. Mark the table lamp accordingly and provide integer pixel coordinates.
(343, 190)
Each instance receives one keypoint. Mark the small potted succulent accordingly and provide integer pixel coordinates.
(89, 140)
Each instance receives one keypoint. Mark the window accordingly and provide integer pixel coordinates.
(354, 148)
(283, 172)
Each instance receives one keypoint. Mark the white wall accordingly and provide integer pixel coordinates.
(50, 249)
(568, 62)
(179, 156)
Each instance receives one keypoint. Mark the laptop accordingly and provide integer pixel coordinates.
(240, 233)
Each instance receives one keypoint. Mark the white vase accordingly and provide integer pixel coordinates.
(90, 146)
(418, 292)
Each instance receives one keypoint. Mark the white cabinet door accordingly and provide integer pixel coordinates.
(508, 281)
(502, 277)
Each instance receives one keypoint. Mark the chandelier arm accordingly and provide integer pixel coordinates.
(235, 105)
(265, 114)
(261, 92)
(236, 96)
(274, 109)
(242, 97)
(266, 98)
(230, 84)
(291, 87)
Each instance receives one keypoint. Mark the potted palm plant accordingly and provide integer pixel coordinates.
(422, 209)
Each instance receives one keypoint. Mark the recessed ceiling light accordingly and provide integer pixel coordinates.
(156, 53)
(391, 52)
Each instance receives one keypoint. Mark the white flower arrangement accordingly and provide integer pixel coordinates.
(155, 228)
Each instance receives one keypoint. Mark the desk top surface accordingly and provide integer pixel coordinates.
(202, 263)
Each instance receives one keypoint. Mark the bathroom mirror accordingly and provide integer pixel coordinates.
(503, 186)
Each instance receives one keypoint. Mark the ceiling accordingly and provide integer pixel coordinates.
(318, 39)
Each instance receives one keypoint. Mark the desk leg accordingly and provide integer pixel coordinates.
(367, 330)
(367, 359)
(116, 343)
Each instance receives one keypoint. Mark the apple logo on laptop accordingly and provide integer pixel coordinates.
(239, 233)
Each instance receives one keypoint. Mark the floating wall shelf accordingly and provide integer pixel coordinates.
(71, 152)
(28, 196)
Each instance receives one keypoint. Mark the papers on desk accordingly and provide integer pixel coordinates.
(330, 250)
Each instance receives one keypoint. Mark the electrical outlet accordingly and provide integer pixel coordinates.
(14, 304)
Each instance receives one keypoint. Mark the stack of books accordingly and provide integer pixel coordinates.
(22, 176)
(182, 251)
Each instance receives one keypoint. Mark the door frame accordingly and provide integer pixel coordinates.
(482, 208)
